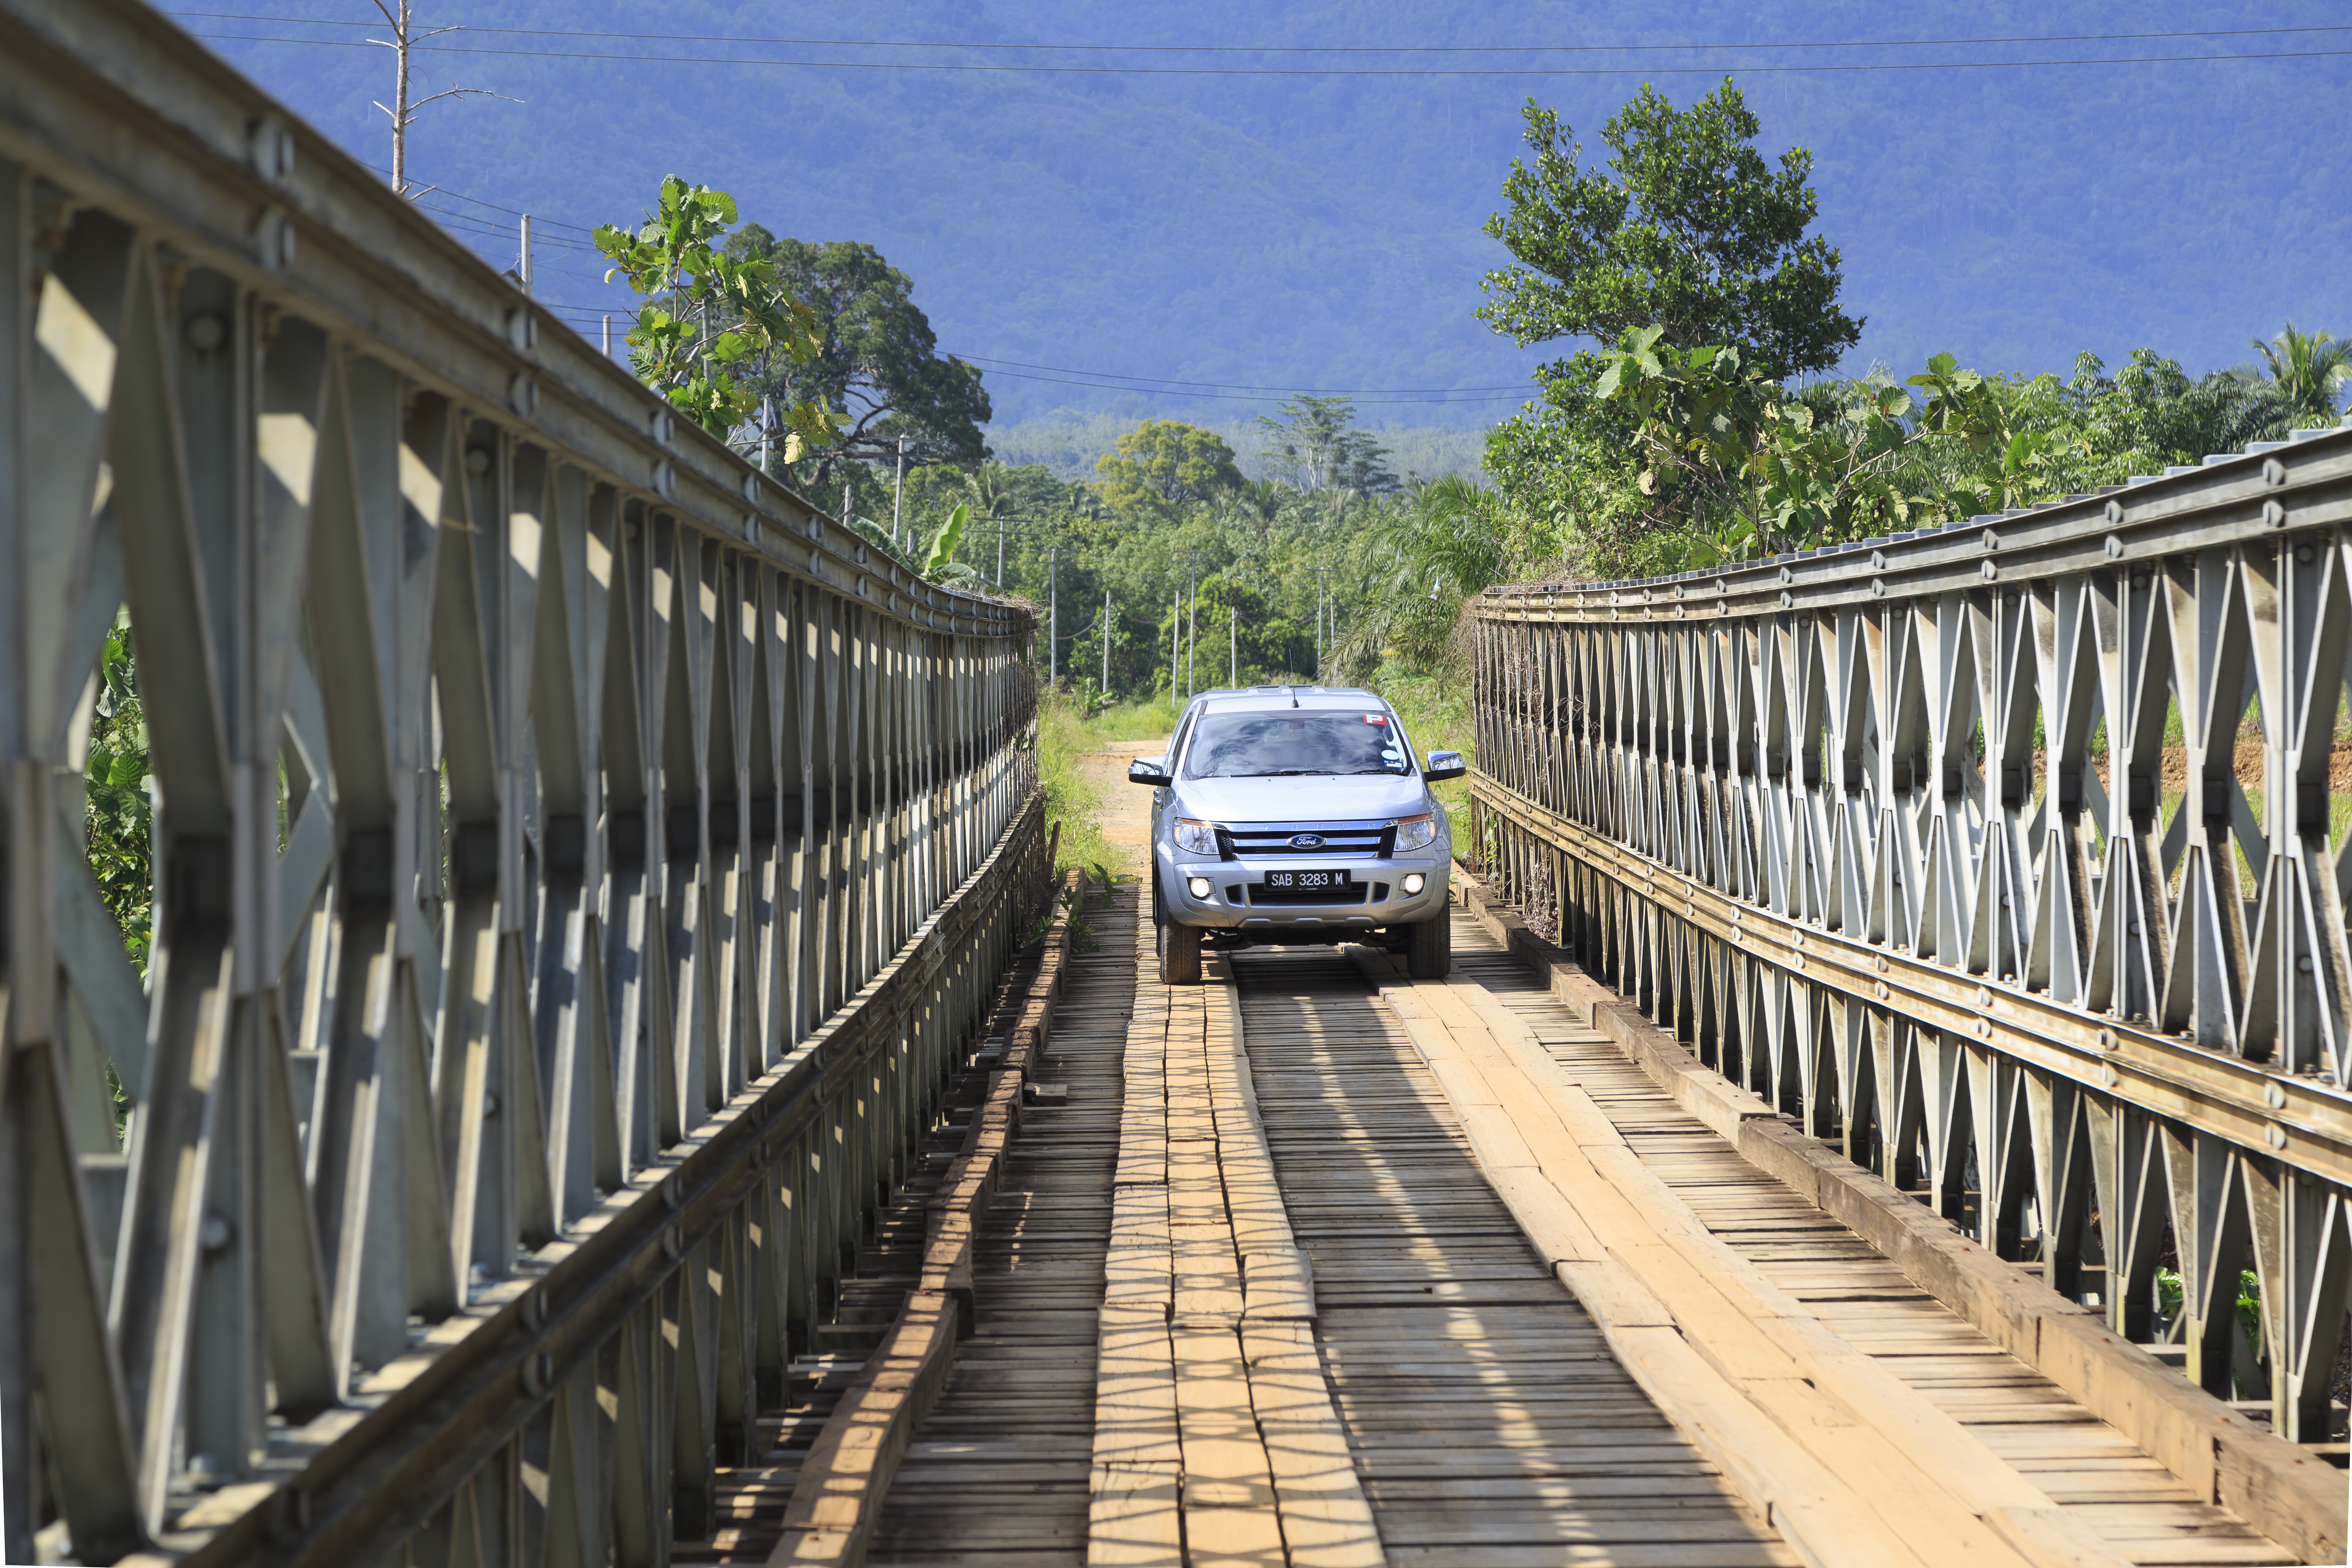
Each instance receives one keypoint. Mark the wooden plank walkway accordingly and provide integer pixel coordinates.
(1491, 1426)
(997, 1475)
(2087, 1467)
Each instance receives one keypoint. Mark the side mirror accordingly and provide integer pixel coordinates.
(1445, 765)
(1152, 770)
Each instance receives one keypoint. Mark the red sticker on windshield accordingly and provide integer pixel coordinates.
(1376, 718)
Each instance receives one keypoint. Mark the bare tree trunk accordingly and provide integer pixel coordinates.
(405, 38)
(400, 103)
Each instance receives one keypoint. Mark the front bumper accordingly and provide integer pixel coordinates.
(1384, 901)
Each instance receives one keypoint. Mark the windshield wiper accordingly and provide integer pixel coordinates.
(1308, 774)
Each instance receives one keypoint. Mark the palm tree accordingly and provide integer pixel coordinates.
(1259, 504)
(1451, 540)
(2306, 369)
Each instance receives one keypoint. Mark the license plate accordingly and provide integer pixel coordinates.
(1305, 881)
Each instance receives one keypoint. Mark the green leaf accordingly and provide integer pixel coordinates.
(943, 544)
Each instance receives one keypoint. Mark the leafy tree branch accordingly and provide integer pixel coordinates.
(711, 316)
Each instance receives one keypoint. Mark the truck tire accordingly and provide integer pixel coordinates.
(1180, 955)
(1430, 955)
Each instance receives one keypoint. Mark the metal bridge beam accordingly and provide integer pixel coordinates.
(2004, 854)
(576, 862)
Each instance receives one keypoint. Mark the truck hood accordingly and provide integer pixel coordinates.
(1309, 799)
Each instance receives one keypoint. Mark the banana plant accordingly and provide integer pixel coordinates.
(706, 312)
(939, 563)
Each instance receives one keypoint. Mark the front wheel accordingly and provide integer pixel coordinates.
(1180, 953)
(1429, 954)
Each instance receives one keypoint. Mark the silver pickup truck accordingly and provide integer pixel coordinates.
(1297, 814)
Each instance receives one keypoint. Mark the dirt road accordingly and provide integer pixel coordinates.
(1127, 809)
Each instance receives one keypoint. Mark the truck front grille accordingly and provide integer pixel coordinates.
(1271, 840)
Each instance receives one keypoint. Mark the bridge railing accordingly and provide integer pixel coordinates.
(575, 863)
(2014, 856)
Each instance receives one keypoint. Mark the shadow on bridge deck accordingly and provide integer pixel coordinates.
(1491, 1426)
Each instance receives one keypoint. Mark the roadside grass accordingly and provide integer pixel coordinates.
(1147, 718)
(1072, 798)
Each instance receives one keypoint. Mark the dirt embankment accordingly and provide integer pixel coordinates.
(2246, 762)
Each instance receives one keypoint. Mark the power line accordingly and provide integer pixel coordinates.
(1243, 386)
(1311, 48)
(477, 201)
(1177, 388)
(1548, 71)
(1249, 396)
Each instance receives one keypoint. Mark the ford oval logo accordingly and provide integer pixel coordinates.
(1307, 841)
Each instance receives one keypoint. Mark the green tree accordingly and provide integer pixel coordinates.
(1163, 466)
(2146, 416)
(711, 316)
(118, 813)
(1746, 467)
(2306, 369)
(1312, 444)
(1566, 477)
(877, 366)
(1687, 230)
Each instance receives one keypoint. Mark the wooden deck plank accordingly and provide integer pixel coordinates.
(2010, 1410)
(1463, 1375)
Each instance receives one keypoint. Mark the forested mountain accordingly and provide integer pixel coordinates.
(1323, 232)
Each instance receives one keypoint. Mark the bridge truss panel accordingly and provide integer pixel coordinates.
(2011, 856)
(576, 862)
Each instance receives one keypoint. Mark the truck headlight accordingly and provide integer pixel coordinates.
(1198, 887)
(1196, 837)
(1414, 883)
(1416, 832)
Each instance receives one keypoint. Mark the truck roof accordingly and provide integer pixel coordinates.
(1257, 698)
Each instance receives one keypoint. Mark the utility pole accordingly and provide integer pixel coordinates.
(899, 496)
(1234, 637)
(523, 271)
(608, 334)
(1175, 640)
(1192, 621)
(1053, 618)
(1322, 599)
(999, 550)
(767, 411)
(1105, 680)
(402, 113)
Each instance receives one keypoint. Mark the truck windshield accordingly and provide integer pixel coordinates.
(1290, 744)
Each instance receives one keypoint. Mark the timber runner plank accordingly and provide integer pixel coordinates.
(1216, 1443)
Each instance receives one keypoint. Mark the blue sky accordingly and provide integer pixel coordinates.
(1306, 231)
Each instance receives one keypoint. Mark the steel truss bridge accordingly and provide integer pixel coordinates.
(605, 1082)
(2011, 858)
